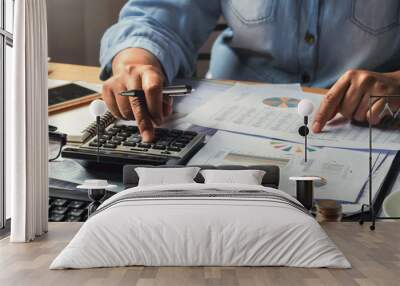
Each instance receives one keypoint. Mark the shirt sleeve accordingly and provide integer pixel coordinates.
(172, 30)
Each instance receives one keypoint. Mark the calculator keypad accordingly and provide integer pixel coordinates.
(167, 142)
(67, 210)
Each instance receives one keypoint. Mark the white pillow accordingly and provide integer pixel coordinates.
(248, 177)
(166, 176)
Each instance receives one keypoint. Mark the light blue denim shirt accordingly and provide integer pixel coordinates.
(311, 41)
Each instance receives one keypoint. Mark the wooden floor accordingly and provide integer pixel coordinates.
(375, 257)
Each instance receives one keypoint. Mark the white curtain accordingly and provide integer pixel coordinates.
(26, 123)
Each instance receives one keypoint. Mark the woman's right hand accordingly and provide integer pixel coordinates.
(136, 68)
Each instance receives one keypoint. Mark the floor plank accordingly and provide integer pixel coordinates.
(375, 257)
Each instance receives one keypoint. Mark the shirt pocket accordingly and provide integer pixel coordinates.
(375, 16)
(253, 12)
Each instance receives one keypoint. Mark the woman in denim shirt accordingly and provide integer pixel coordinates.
(351, 47)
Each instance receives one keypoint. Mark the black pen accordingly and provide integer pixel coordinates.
(172, 90)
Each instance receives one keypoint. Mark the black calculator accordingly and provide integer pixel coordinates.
(122, 144)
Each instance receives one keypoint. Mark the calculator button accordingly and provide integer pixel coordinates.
(76, 212)
(159, 147)
(136, 136)
(110, 145)
(72, 218)
(186, 137)
(124, 134)
(56, 217)
(162, 142)
(167, 139)
(175, 132)
(60, 202)
(94, 144)
(182, 141)
(161, 131)
(130, 144)
(133, 139)
(115, 142)
(144, 145)
(179, 145)
(102, 141)
(106, 137)
(133, 129)
(190, 133)
(174, 149)
(124, 127)
(76, 204)
(116, 138)
(60, 210)
(120, 138)
(111, 132)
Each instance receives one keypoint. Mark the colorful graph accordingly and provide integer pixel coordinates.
(281, 102)
(291, 148)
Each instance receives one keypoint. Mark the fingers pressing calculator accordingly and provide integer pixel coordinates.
(122, 144)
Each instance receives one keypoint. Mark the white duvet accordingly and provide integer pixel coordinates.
(207, 230)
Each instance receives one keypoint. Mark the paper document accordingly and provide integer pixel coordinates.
(51, 83)
(272, 112)
(205, 90)
(345, 171)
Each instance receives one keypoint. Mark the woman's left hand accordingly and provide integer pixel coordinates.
(350, 95)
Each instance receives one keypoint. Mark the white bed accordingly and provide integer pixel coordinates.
(201, 224)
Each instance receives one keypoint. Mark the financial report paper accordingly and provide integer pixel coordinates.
(344, 176)
(272, 112)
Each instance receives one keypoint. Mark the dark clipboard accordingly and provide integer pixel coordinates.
(383, 191)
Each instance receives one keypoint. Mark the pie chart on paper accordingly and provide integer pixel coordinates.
(281, 102)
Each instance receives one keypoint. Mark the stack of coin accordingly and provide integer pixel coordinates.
(328, 210)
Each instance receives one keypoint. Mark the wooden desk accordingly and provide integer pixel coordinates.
(375, 257)
(91, 74)
(74, 72)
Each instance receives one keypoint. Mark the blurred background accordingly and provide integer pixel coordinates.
(75, 28)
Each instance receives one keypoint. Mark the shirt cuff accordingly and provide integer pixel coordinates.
(138, 42)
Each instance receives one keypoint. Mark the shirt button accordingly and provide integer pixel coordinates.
(309, 38)
(305, 78)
